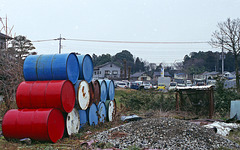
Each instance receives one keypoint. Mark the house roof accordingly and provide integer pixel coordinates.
(136, 75)
(100, 66)
(3, 36)
(210, 73)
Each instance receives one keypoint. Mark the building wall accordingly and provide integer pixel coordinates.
(2, 43)
(108, 71)
(144, 78)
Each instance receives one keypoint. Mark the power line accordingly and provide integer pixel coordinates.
(44, 40)
(137, 42)
(126, 42)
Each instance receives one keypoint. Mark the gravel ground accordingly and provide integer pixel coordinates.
(164, 133)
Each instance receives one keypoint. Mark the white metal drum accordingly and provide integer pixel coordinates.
(83, 95)
(111, 111)
(72, 122)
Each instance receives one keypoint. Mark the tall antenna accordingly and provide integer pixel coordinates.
(5, 28)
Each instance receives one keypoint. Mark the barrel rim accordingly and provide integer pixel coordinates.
(85, 117)
(72, 53)
(103, 82)
(101, 103)
(99, 89)
(88, 93)
(95, 106)
(48, 133)
(87, 55)
(74, 109)
(64, 81)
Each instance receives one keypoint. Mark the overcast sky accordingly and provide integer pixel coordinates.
(120, 20)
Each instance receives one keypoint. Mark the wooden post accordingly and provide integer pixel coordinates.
(211, 103)
(177, 101)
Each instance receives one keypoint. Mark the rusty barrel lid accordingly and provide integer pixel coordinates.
(91, 90)
(82, 94)
(97, 91)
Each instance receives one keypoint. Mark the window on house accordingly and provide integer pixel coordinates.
(99, 72)
(114, 72)
(95, 72)
(107, 72)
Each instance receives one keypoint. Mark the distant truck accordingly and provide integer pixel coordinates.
(180, 82)
(164, 80)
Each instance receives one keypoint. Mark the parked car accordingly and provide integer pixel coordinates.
(122, 85)
(188, 83)
(134, 85)
(172, 86)
(200, 84)
(147, 85)
(181, 85)
(140, 83)
(161, 86)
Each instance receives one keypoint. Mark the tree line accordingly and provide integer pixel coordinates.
(135, 64)
(199, 62)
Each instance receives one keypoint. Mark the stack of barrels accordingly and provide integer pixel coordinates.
(58, 97)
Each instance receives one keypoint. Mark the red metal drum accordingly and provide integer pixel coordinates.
(97, 92)
(46, 94)
(37, 124)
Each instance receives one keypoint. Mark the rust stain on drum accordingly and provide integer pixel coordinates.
(84, 94)
(91, 91)
(97, 92)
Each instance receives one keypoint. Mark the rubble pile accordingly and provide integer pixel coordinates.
(164, 133)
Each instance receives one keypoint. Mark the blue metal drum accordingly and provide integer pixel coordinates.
(102, 112)
(44, 67)
(92, 114)
(30, 68)
(65, 66)
(103, 86)
(110, 89)
(51, 67)
(85, 67)
(83, 117)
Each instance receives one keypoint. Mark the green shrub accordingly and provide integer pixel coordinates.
(223, 98)
(146, 100)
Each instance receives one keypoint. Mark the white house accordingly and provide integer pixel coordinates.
(107, 70)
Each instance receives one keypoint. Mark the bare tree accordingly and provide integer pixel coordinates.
(228, 37)
(11, 68)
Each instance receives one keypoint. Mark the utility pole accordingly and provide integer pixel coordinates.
(5, 28)
(129, 70)
(60, 43)
(6, 39)
(125, 69)
(222, 59)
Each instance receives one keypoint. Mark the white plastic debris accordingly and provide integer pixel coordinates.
(222, 128)
(130, 118)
